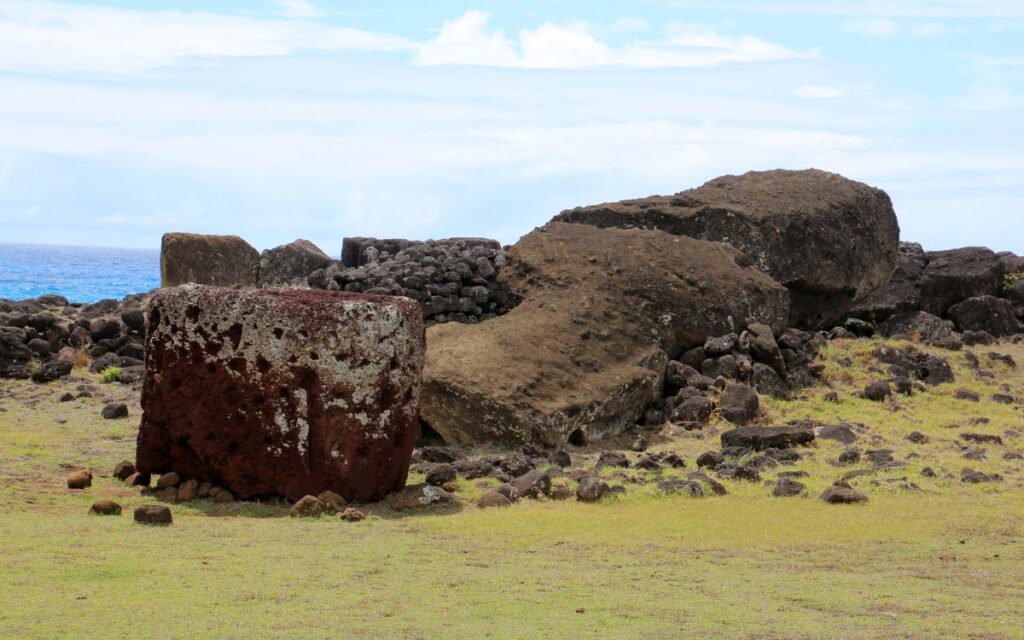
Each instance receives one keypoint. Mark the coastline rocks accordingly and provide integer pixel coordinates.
(985, 313)
(291, 262)
(585, 352)
(207, 259)
(830, 240)
(281, 392)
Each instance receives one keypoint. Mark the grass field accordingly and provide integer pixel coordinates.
(944, 560)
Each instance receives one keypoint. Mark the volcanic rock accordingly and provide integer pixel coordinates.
(52, 370)
(739, 404)
(787, 488)
(985, 313)
(281, 392)
(916, 324)
(105, 508)
(592, 489)
(586, 349)
(957, 274)
(114, 411)
(761, 438)
(292, 261)
(830, 240)
(212, 260)
(153, 514)
(79, 480)
(843, 494)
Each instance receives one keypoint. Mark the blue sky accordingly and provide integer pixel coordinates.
(321, 119)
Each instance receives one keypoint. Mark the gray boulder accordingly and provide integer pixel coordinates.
(957, 274)
(918, 324)
(902, 293)
(985, 313)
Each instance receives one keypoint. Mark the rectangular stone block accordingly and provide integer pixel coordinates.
(281, 392)
(222, 261)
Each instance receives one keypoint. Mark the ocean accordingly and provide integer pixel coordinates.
(80, 274)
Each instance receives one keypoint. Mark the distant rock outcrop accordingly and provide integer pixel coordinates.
(291, 262)
(831, 241)
(584, 353)
(211, 260)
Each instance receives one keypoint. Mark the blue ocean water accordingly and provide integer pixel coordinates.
(80, 274)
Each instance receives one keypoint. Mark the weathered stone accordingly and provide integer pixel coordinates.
(739, 404)
(761, 438)
(351, 514)
(440, 473)
(52, 370)
(418, 496)
(153, 514)
(768, 382)
(902, 293)
(877, 391)
(105, 508)
(124, 470)
(170, 479)
(971, 476)
(532, 484)
(493, 499)
(709, 459)
(586, 348)
(287, 393)
(204, 259)
(840, 494)
(333, 502)
(592, 489)
(918, 325)
(292, 261)
(307, 507)
(114, 411)
(79, 480)
(787, 488)
(915, 364)
(830, 240)
(957, 274)
(985, 313)
(188, 491)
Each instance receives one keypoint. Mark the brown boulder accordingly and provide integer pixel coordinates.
(202, 259)
(153, 514)
(739, 404)
(105, 508)
(830, 240)
(585, 352)
(79, 480)
(281, 392)
(292, 261)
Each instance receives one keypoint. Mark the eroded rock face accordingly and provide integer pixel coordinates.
(224, 261)
(585, 352)
(957, 274)
(281, 392)
(902, 293)
(831, 241)
(985, 313)
(292, 261)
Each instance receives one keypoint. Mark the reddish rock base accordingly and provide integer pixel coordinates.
(281, 392)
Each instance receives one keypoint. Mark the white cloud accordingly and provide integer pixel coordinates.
(628, 24)
(929, 30)
(54, 36)
(887, 8)
(818, 92)
(300, 9)
(468, 41)
(876, 28)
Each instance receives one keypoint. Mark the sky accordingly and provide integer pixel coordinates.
(320, 119)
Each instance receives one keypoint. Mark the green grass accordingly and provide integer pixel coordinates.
(943, 562)
(109, 375)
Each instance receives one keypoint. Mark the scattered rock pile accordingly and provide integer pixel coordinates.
(454, 280)
(43, 338)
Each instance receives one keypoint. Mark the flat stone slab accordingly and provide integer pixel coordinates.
(281, 392)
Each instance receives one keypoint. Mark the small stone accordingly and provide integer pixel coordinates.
(561, 458)
(709, 459)
(171, 479)
(222, 497)
(639, 445)
(124, 470)
(674, 461)
(67, 397)
(966, 394)
(493, 499)
(917, 437)
(138, 480)
(351, 514)
(839, 494)
(204, 490)
(188, 491)
(970, 476)
(849, 456)
(787, 488)
(307, 507)
(560, 490)
(79, 480)
(153, 514)
(532, 484)
(115, 411)
(440, 473)
(592, 489)
(334, 502)
(877, 391)
(928, 472)
(105, 508)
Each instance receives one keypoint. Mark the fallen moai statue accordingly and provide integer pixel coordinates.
(281, 392)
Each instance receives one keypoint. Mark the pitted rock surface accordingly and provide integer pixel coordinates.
(281, 392)
(203, 259)
(830, 240)
(585, 352)
(291, 262)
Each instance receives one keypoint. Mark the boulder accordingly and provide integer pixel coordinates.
(843, 494)
(105, 508)
(14, 353)
(902, 293)
(957, 274)
(916, 324)
(592, 489)
(788, 488)
(289, 262)
(830, 240)
(308, 507)
(114, 411)
(153, 514)
(52, 370)
(584, 353)
(739, 404)
(761, 438)
(281, 392)
(202, 259)
(79, 479)
(985, 313)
